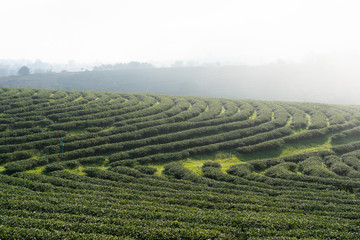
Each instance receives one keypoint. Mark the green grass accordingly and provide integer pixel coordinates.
(2, 169)
(253, 116)
(229, 158)
(79, 170)
(309, 120)
(309, 145)
(223, 110)
(79, 98)
(159, 168)
(190, 106)
(75, 132)
(107, 129)
(225, 158)
(288, 123)
(38, 170)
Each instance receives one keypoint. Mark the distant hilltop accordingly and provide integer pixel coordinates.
(284, 82)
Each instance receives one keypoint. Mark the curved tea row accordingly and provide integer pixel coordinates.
(82, 165)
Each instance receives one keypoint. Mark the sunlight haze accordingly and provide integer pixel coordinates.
(231, 32)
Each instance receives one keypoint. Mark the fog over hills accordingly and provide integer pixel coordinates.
(225, 48)
(325, 82)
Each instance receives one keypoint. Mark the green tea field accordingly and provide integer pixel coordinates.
(98, 165)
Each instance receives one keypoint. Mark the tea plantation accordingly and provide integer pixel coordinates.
(97, 165)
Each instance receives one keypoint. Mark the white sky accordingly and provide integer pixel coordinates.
(252, 31)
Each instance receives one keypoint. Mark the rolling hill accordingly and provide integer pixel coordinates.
(107, 165)
(301, 82)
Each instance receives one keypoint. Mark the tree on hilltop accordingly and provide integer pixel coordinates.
(24, 70)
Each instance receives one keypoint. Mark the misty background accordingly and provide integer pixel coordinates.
(327, 79)
(297, 50)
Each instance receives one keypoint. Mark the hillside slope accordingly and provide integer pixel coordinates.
(97, 165)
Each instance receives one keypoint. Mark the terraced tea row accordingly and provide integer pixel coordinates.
(96, 165)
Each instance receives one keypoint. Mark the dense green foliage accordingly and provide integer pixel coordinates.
(86, 165)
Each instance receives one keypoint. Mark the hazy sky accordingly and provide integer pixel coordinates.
(252, 31)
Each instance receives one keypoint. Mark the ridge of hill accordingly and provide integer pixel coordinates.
(106, 165)
(270, 82)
